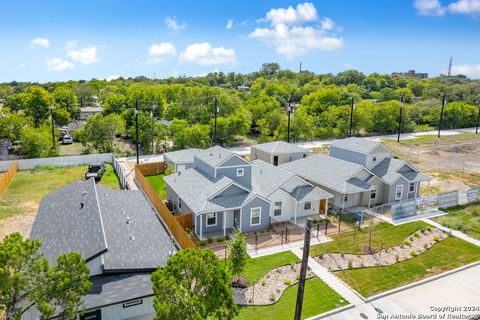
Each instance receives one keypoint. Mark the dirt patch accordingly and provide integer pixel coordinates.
(18, 223)
(446, 185)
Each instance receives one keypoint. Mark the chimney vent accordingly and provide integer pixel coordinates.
(129, 220)
(132, 237)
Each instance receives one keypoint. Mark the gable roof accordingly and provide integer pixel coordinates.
(309, 193)
(279, 147)
(214, 156)
(181, 156)
(389, 171)
(267, 178)
(360, 145)
(100, 227)
(330, 172)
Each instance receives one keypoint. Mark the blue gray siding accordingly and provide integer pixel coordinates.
(391, 195)
(172, 195)
(203, 167)
(265, 214)
(231, 172)
(205, 229)
(347, 155)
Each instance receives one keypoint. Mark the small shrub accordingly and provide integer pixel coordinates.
(315, 221)
(321, 255)
(272, 297)
(220, 239)
(411, 238)
(428, 228)
(298, 276)
(210, 240)
(292, 265)
(342, 255)
(202, 243)
(278, 290)
(249, 300)
(416, 235)
(413, 253)
(436, 239)
(279, 270)
(407, 242)
(397, 258)
(350, 264)
(476, 212)
(263, 283)
(287, 282)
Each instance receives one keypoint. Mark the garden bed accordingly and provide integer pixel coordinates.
(463, 218)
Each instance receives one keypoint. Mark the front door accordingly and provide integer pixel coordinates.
(275, 160)
(236, 219)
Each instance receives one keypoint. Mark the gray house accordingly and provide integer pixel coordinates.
(181, 159)
(277, 152)
(394, 180)
(118, 234)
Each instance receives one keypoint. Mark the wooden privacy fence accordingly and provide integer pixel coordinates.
(8, 176)
(175, 227)
(185, 220)
(149, 169)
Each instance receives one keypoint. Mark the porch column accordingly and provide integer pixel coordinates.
(370, 199)
(240, 222)
(296, 211)
(325, 210)
(224, 223)
(201, 227)
(428, 188)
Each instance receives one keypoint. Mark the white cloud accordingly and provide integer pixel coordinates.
(205, 54)
(229, 24)
(465, 7)
(162, 48)
(58, 64)
(429, 8)
(347, 66)
(174, 25)
(70, 45)
(303, 13)
(112, 77)
(85, 55)
(470, 70)
(40, 42)
(327, 23)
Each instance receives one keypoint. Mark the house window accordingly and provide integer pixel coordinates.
(398, 192)
(211, 219)
(345, 198)
(412, 187)
(278, 209)
(240, 172)
(255, 216)
(179, 204)
(132, 303)
(93, 315)
(307, 206)
(304, 155)
(373, 193)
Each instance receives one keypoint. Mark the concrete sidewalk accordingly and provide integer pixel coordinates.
(455, 233)
(285, 247)
(332, 281)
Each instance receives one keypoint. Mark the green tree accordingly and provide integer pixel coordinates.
(237, 253)
(37, 142)
(28, 280)
(270, 68)
(11, 124)
(66, 99)
(16, 102)
(194, 285)
(99, 133)
(38, 102)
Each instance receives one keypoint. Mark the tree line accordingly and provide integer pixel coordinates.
(321, 105)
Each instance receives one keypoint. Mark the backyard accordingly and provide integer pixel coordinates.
(319, 297)
(158, 184)
(19, 203)
(464, 218)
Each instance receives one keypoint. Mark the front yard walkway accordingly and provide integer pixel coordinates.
(332, 281)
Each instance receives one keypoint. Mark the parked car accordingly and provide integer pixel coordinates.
(95, 171)
(67, 139)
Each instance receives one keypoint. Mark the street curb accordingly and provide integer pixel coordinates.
(331, 312)
(418, 283)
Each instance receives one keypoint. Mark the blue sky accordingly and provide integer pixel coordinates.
(61, 40)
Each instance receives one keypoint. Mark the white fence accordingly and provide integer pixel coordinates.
(27, 164)
(120, 173)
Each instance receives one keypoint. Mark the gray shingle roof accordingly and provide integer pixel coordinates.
(388, 171)
(279, 147)
(327, 171)
(100, 226)
(181, 156)
(309, 193)
(63, 224)
(214, 155)
(267, 178)
(361, 145)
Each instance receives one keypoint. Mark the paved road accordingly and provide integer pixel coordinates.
(461, 289)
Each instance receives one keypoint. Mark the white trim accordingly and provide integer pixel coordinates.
(414, 187)
(240, 172)
(179, 203)
(231, 156)
(274, 205)
(226, 187)
(259, 216)
(305, 203)
(374, 190)
(206, 221)
(401, 192)
(241, 165)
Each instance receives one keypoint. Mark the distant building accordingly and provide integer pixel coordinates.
(411, 74)
(243, 88)
(87, 112)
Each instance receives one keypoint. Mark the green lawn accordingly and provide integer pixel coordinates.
(256, 268)
(432, 140)
(463, 218)
(390, 235)
(27, 188)
(319, 298)
(446, 255)
(158, 184)
(110, 178)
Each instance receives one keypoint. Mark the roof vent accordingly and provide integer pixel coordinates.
(52, 205)
(123, 212)
(129, 220)
(132, 237)
(81, 205)
(261, 171)
(84, 193)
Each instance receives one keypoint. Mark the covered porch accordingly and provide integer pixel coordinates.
(309, 202)
(217, 224)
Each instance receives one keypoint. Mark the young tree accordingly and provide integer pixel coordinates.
(237, 253)
(193, 285)
(28, 280)
(37, 142)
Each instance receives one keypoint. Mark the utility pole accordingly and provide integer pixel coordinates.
(450, 66)
(478, 117)
(151, 116)
(300, 69)
(215, 112)
(53, 126)
(351, 116)
(400, 119)
(303, 270)
(289, 110)
(441, 114)
(136, 130)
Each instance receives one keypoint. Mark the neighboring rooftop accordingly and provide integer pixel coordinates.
(91, 220)
(309, 193)
(388, 168)
(266, 178)
(361, 145)
(214, 155)
(181, 156)
(91, 109)
(330, 172)
(279, 147)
